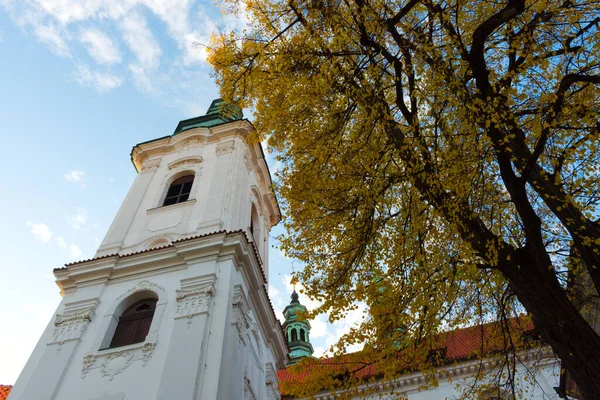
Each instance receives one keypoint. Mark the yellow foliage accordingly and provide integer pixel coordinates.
(439, 160)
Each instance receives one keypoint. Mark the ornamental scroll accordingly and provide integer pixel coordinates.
(71, 325)
(195, 297)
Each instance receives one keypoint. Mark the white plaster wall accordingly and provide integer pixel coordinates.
(213, 335)
(204, 356)
(227, 181)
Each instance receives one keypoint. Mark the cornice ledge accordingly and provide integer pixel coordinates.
(143, 258)
(241, 127)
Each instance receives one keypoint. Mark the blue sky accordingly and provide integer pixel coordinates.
(81, 82)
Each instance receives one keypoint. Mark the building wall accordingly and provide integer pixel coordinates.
(230, 176)
(214, 334)
(456, 380)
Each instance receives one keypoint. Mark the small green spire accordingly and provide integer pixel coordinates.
(218, 113)
(296, 330)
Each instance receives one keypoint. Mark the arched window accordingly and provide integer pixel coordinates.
(294, 335)
(302, 336)
(179, 191)
(254, 225)
(134, 323)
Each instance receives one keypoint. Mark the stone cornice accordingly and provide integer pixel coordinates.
(233, 245)
(147, 150)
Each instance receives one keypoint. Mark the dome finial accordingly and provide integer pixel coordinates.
(294, 294)
(295, 297)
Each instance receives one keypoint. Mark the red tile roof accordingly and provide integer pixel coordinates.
(4, 391)
(458, 345)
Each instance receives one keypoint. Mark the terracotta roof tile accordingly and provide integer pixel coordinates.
(4, 391)
(460, 345)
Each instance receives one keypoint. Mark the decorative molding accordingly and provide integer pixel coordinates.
(150, 165)
(116, 363)
(248, 162)
(184, 162)
(194, 141)
(241, 318)
(271, 375)
(225, 147)
(141, 286)
(165, 209)
(147, 352)
(272, 383)
(248, 392)
(258, 351)
(273, 393)
(192, 303)
(113, 362)
(195, 296)
(259, 200)
(70, 326)
(148, 242)
(139, 157)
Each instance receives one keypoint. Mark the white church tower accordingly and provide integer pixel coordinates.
(174, 304)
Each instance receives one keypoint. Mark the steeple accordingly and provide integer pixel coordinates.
(174, 304)
(297, 330)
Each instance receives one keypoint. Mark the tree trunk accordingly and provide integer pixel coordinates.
(558, 322)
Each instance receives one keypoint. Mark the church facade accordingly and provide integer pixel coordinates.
(174, 304)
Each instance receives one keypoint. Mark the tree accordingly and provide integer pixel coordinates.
(440, 158)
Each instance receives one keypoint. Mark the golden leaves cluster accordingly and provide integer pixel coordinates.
(390, 138)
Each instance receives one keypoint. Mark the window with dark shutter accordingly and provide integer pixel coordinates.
(179, 191)
(134, 323)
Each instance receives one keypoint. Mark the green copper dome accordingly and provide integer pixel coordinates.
(218, 113)
(297, 330)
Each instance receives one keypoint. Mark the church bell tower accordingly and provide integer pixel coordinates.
(174, 304)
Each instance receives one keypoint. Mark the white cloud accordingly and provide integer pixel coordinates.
(117, 34)
(100, 47)
(40, 231)
(141, 41)
(54, 38)
(72, 248)
(100, 81)
(319, 327)
(239, 20)
(278, 302)
(67, 11)
(76, 176)
(141, 78)
(75, 251)
(195, 47)
(79, 220)
(60, 241)
(175, 13)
